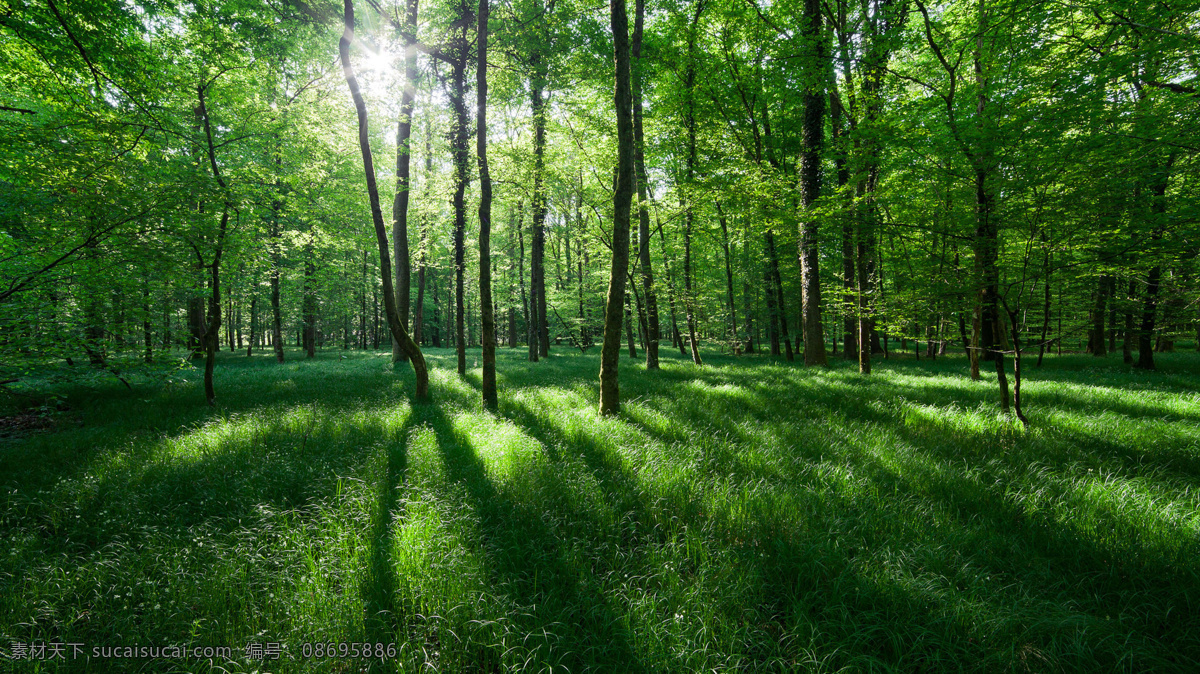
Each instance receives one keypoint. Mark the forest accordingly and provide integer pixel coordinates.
(546, 335)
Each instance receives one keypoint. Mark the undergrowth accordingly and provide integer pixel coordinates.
(742, 516)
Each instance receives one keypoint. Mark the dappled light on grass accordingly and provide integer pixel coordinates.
(737, 516)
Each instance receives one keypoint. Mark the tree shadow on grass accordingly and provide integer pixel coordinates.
(777, 589)
(382, 616)
(1024, 562)
(186, 526)
(561, 602)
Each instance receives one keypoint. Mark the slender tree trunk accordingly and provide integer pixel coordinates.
(849, 276)
(486, 307)
(637, 304)
(775, 285)
(309, 303)
(812, 133)
(1098, 314)
(772, 309)
(1158, 209)
(1046, 303)
(276, 313)
(733, 332)
(676, 339)
(746, 292)
(362, 308)
(1016, 342)
(531, 339)
(148, 353)
(253, 325)
(1112, 315)
(195, 320)
(610, 400)
(648, 290)
(1145, 359)
(986, 249)
(385, 268)
(403, 158)
(459, 150)
(863, 268)
(689, 83)
(849, 285)
(230, 323)
(585, 329)
(537, 266)
(213, 324)
(689, 303)
(629, 327)
(1127, 342)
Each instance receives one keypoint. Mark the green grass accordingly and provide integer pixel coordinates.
(744, 516)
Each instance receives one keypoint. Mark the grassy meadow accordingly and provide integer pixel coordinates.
(742, 516)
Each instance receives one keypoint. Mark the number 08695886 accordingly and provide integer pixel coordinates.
(344, 649)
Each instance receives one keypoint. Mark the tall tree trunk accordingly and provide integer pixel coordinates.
(775, 285)
(689, 302)
(1127, 342)
(385, 267)
(1098, 347)
(585, 332)
(733, 332)
(986, 253)
(689, 83)
(1016, 343)
(486, 307)
(637, 304)
(863, 255)
(812, 133)
(1046, 303)
(435, 320)
(849, 277)
(309, 303)
(772, 308)
(1112, 314)
(1149, 314)
(629, 327)
(148, 353)
(1158, 208)
(647, 271)
(531, 338)
(362, 309)
(195, 318)
(230, 324)
(403, 157)
(253, 325)
(213, 324)
(537, 266)
(275, 245)
(458, 148)
(676, 339)
(747, 302)
(166, 324)
(849, 286)
(418, 333)
(610, 399)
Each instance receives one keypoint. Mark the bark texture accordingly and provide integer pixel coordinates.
(486, 308)
(610, 399)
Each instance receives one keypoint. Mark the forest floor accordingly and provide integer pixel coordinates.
(742, 516)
